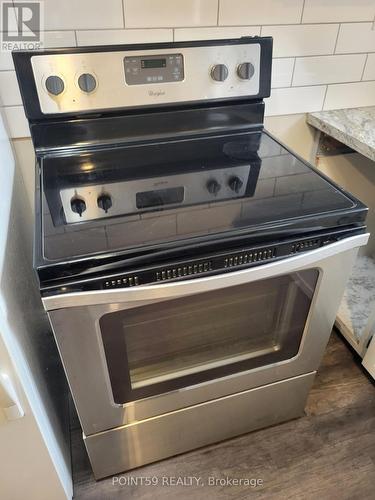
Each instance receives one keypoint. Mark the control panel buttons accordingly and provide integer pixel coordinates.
(153, 68)
(235, 183)
(105, 202)
(78, 205)
(87, 82)
(54, 85)
(245, 71)
(219, 72)
(213, 187)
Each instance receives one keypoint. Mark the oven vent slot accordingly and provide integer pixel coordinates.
(256, 255)
(302, 246)
(187, 270)
(122, 282)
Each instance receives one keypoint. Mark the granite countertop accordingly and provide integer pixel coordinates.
(354, 127)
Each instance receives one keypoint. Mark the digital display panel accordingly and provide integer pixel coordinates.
(153, 63)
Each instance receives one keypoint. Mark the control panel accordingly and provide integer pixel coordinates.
(95, 80)
(140, 70)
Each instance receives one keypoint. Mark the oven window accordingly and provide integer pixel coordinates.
(171, 344)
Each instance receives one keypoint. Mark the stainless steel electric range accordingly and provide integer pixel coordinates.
(191, 265)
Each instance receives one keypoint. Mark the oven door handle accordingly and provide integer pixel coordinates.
(183, 288)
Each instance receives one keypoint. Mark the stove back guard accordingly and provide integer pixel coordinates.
(212, 111)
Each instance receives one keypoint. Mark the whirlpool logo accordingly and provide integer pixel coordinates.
(156, 93)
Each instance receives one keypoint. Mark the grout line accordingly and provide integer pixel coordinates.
(351, 82)
(293, 25)
(202, 26)
(218, 13)
(213, 26)
(337, 39)
(364, 68)
(123, 13)
(302, 11)
(324, 99)
(75, 37)
(337, 22)
(256, 25)
(294, 66)
(323, 55)
(174, 34)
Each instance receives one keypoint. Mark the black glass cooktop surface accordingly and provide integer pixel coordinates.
(118, 200)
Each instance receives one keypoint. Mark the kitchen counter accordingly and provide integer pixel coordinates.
(354, 127)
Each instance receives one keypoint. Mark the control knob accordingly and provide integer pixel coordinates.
(219, 72)
(78, 205)
(213, 187)
(235, 183)
(245, 71)
(54, 85)
(104, 202)
(87, 82)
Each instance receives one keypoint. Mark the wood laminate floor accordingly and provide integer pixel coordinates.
(328, 454)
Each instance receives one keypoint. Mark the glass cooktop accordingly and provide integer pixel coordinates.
(113, 200)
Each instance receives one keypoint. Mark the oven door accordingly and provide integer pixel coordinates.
(130, 354)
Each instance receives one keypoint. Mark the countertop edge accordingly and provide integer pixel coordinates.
(340, 135)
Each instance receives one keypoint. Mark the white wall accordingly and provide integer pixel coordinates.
(34, 450)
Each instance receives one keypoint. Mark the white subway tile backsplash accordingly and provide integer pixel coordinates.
(335, 11)
(83, 14)
(215, 33)
(328, 69)
(54, 39)
(369, 73)
(170, 13)
(311, 48)
(302, 40)
(292, 100)
(356, 37)
(6, 61)
(282, 71)
(107, 37)
(9, 91)
(16, 121)
(350, 95)
(238, 12)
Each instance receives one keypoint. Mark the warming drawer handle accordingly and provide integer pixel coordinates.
(198, 285)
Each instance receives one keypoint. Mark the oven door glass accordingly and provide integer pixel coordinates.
(167, 345)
